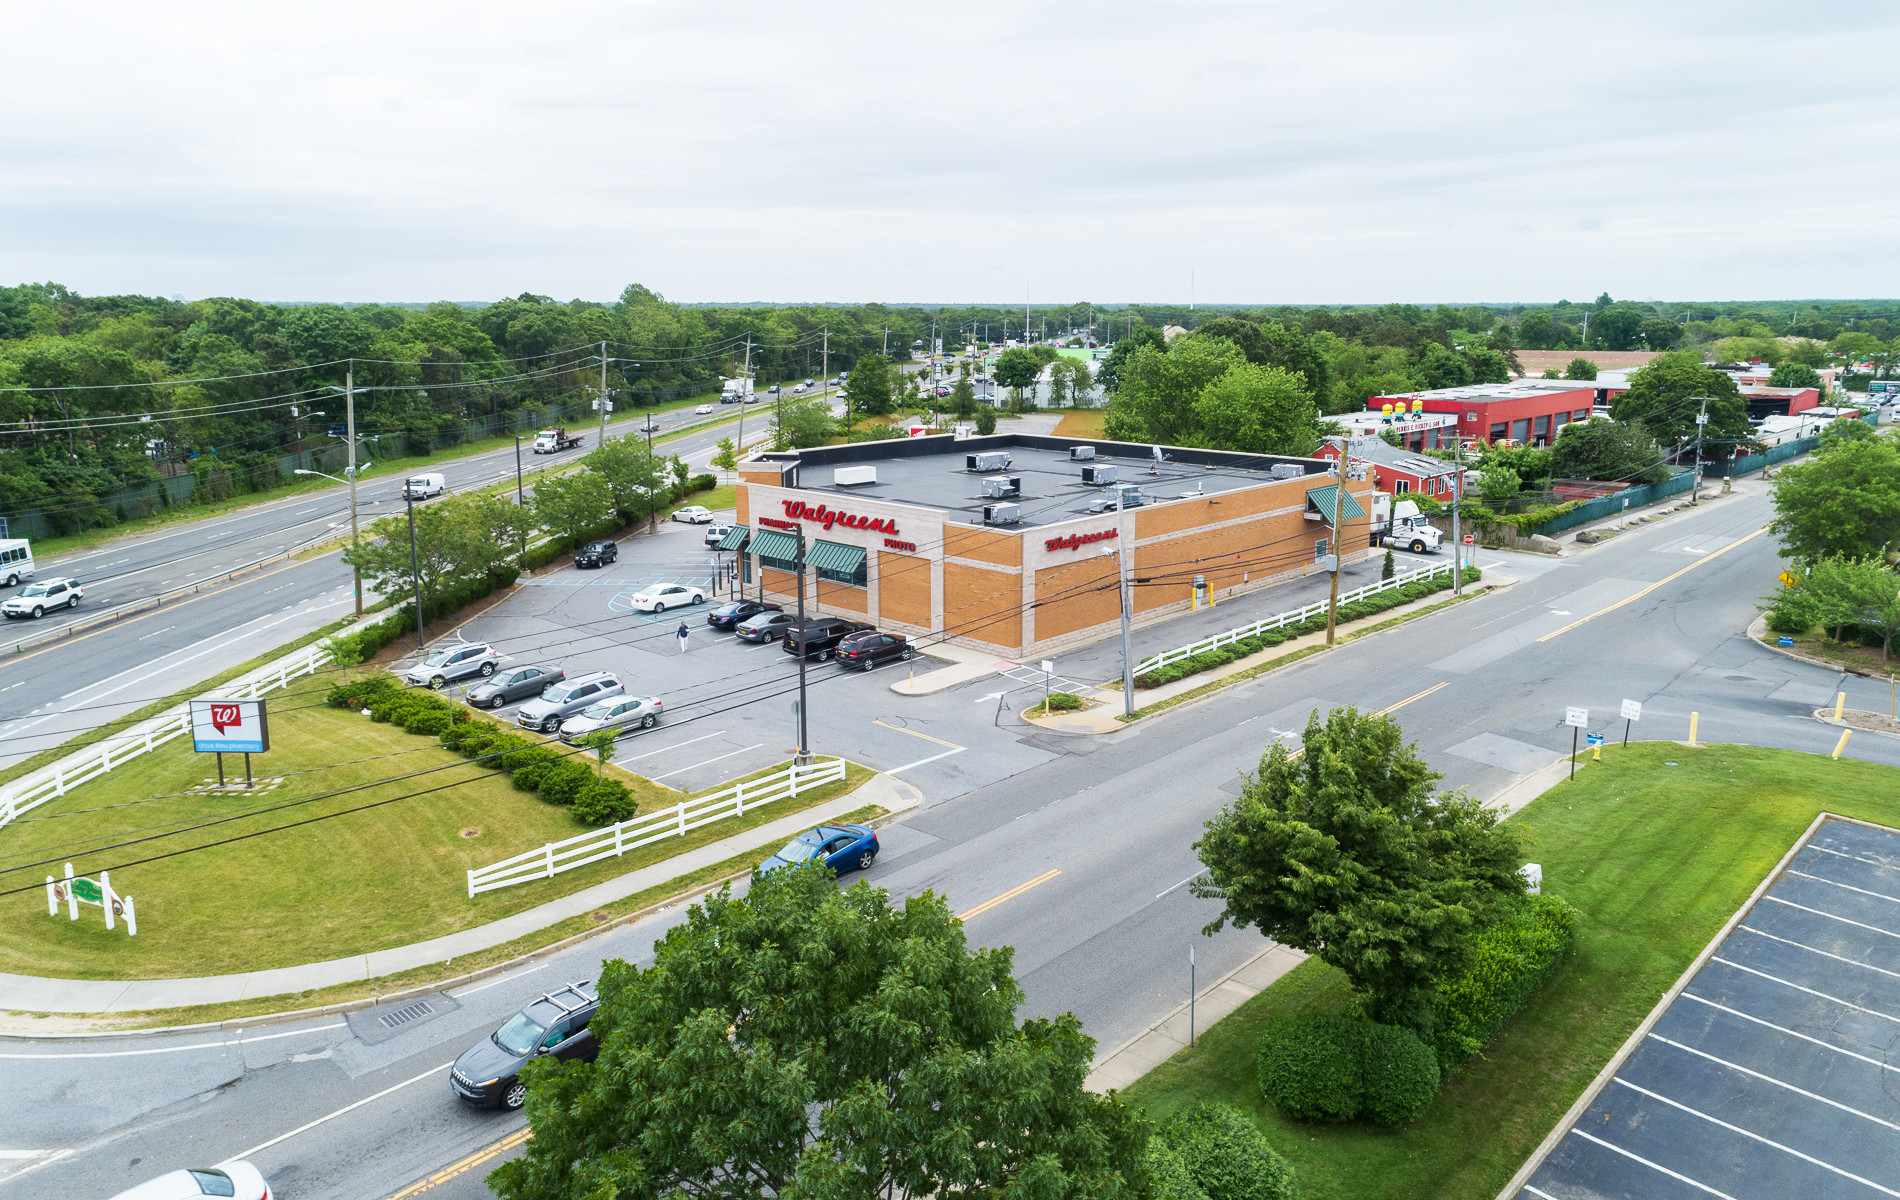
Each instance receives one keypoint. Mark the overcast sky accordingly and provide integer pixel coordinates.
(1270, 152)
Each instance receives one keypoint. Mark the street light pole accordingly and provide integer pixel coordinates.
(521, 502)
(1339, 504)
(1457, 494)
(415, 575)
(349, 417)
(1124, 548)
(804, 727)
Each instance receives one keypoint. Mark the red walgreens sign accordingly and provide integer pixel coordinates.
(798, 510)
(1073, 540)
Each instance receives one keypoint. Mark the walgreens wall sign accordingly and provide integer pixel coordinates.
(798, 510)
(1073, 540)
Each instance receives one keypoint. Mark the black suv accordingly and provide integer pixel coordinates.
(819, 638)
(596, 554)
(487, 1073)
(728, 616)
(872, 649)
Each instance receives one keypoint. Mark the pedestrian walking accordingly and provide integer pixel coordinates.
(684, 633)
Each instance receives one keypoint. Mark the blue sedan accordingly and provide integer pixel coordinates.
(842, 847)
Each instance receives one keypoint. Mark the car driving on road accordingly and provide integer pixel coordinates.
(546, 711)
(842, 847)
(449, 663)
(618, 714)
(668, 595)
(236, 1179)
(871, 649)
(764, 627)
(506, 687)
(819, 638)
(702, 410)
(487, 1074)
(731, 614)
(37, 599)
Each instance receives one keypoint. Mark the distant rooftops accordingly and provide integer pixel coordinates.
(1486, 393)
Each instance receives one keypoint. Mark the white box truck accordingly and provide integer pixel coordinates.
(735, 391)
(16, 561)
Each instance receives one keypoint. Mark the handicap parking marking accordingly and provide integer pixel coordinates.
(1030, 675)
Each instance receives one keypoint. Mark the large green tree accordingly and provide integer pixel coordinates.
(1667, 395)
(1345, 852)
(570, 505)
(1016, 368)
(1123, 351)
(807, 1041)
(1260, 410)
(1844, 501)
(460, 541)
(871, 390)
(1604, 449)
(635, 476)
(1794, 375)
(1155, 402)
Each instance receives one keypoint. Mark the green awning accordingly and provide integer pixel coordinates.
(734, 539)
(1322, 499)
(770, 543)
(834, 556)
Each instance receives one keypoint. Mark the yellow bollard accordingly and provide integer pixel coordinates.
(1840, 702)
(1692, 722)
(1842, 744)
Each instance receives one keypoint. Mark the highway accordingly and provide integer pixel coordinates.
(1091, 846)
(53, 690)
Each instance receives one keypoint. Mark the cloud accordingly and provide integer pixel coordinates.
(1347, 152)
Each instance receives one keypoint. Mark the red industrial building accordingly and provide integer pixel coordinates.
(1527, 412)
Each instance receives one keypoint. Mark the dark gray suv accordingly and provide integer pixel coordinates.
(546, 711)
(487, 1074)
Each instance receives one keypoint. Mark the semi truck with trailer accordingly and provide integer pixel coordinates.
(553, 441)
(1401, 525)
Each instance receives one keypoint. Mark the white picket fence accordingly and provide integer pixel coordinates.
(614, 840)
(1280, 620)
(97, 759)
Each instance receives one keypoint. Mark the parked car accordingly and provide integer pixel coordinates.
(237, 1179)
(819, 638)
(842, 847)
(488, 1073)
(448, 663)
(659, 598)
(37, 599)
(702, 410)
(764, 627)
(716, 533)
(867, 651)
(618, 714)
(562, 700)
(597, 554)
(731, 614)
(694, 514)
(506, 687)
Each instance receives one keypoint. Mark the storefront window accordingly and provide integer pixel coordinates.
(855, 578)
(778, 564)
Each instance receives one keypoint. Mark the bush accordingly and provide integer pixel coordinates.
(472, 745)
(604, 802)
(526, 767)
(358, 692)
(1064, 702)
(497, 748)
(426, 721)
(562, 782)
(1169, 1174)
(1399, 1075)
(1227, 1155)
(1311, 1066)
(1510, 959)
(462, 729)
(526, 756)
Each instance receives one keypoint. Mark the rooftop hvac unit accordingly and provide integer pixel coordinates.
(853, 476)
(1002, 514)
(1287, 471)
(1098, 476)
(1081, 453)
(1003, 487)
(989, 460)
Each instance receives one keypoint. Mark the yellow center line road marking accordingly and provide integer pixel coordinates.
(1711, 557)
(1387, 711)
(1011, 894)
(493, 1150)
(914, 733)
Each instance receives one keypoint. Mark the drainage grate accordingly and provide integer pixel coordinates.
(405, 1014)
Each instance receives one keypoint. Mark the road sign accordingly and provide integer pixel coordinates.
(1784, 640)
(1632, 710)
(1470, 540)
(229, 727)
(1788, 579)
(1593, 739)
(1578, 717)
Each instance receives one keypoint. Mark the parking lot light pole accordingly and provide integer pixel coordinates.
(804, 726)
(415, 576)
(521, 502)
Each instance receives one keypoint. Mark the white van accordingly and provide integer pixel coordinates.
(16, 561)
(421, 487)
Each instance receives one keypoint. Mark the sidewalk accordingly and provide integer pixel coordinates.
(26, 993)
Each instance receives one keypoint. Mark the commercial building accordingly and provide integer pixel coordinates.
(1000, 541)
(1415, 429)
(1394, 471)
(1525, 412)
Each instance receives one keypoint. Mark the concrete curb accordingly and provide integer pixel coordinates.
(1758, 630)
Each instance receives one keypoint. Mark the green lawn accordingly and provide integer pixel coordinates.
(1657, 857)
(1082, 423)
(384, 877)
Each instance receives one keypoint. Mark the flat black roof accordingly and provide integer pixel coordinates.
(933, 472)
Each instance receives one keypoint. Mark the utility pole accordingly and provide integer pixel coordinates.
(1339, 506)
(824, 366)
(415, 576)
(1457, 494)
(349, 430)
(1124, 550)
(804, 727)
(740, 448)
(603, 393)
(1701, 421)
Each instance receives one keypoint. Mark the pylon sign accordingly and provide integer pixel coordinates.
(78, 890)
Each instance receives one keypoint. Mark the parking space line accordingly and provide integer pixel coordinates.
(1011, 894)
(920, 762)
(1857, 858)
(914, 733)
(1752, 1136)
(666, 749)
(1872, 1012)
(1830, 916)
(1634, 1157)
(1736, 1012)
(1846, 886)
(1852, 962)
(708, 762)
(1723, 1062)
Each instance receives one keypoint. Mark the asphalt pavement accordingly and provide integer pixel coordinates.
(1078, 859)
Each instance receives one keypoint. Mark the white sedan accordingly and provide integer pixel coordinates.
(693, 514)
(672, 595)
(238, 1179)
(703, 409)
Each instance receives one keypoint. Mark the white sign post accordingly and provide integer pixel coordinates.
(1632, 711)
(1576, 718)
(79, 890)
(1048, 669)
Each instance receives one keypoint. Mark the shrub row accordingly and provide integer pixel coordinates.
(1330, 1067)
(389, 702)
(1511, 959)
(1220, 656)
(1225, 1155)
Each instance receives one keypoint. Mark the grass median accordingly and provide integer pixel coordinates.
(266, 891)
(1657, 845)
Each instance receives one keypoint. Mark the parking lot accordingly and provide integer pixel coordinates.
(729, 704)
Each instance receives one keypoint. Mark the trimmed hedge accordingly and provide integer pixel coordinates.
(562, 782)
(1376, 603)
(1227, 1155)
(604, 802)
(1332, 1067)
(356, 693)
(1168, 1173)
(1510, 960)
